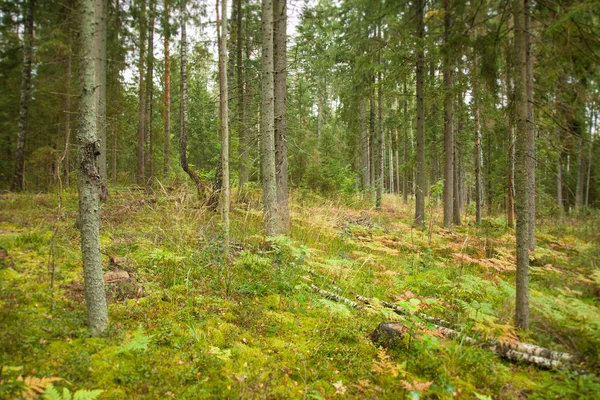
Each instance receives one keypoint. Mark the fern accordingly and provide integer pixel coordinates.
(138, 342)
(52, 393)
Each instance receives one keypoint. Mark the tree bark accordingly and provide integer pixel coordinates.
(224, 123)
(420, 164)
(148, 136)
(18, 182)
(280, 89)
(380, 159)
(405, 150)
(448, 122)
(65, 158)
(372, 153)
(511, 150)
(268, 112)
(242, 126)
(167, 78)
(478, 156)
(530, 126)
(183, 113)
(90, 180)
(364, 145)
(559, 185)
(141, 97)
(457, 196)
(397, 155)
(101, 12)
(521, 168)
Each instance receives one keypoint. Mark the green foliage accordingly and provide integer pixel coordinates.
(138, 342)
(52, 393)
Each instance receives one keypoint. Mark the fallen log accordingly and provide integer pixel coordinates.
(525, 348)
(521, 352)
(335, 297)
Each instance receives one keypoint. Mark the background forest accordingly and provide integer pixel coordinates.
(261, 183)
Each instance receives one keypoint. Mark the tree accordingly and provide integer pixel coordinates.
(268, 113)
(90, 180)
(224, 121)
(521, 167)
(141, 96)
(530, 126)
(420, 76)
(279, 108)
(148, 136)
(101, 7)
(18, 182)
(167, 79)
(183, 111)
(448, 121)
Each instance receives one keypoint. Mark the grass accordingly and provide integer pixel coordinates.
(255, 329)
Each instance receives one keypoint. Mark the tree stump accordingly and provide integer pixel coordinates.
(388, 334)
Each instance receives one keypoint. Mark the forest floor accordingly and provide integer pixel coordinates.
(255, 328)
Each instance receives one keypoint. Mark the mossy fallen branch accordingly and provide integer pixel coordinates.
(520, 352)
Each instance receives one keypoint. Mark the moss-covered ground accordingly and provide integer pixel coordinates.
(253, 328)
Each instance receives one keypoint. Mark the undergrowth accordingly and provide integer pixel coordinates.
(254, 328)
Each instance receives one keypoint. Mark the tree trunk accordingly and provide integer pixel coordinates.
(167, 135)
(148, 158)
(478, 161)
(521, 168)
(224, 123)
(141, 97)
(101, 10)
(364, 145)
(18, 182)
(405, 150)
(397, 156)
(268, 112)
(242, 126)
(530, 126)
(449, 174)
(280, 83)
(511, 150)
(559, 185)
(65, 158)
(457, 197)
(420, 164)
(183, 113)
(372, 152)
(380, 158)
(89, 176)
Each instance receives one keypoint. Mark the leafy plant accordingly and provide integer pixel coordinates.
(52, 393)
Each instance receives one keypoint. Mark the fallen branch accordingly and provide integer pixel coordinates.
(521, 352)
(335, 297)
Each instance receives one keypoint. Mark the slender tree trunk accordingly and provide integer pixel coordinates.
(89, 176)
(364, 145)
(268, 113)
(559, 185)
(521, 168)
(241, 123)
(141, 97)
(114, 155)
(183, 112)
(246, 132)
(18, 182)
(478, 161)
(148, 135)
(280, 83)
(167, 78)
(580, 185)
(66, 158)
(511, 149)
(224, 122)
(405, 170)
(397, 155)
(372, 153)
(101, 10)
(391, 161)
(420, 165)
(380, 159)
(530, 126)
(449, 174)
(457, 197)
